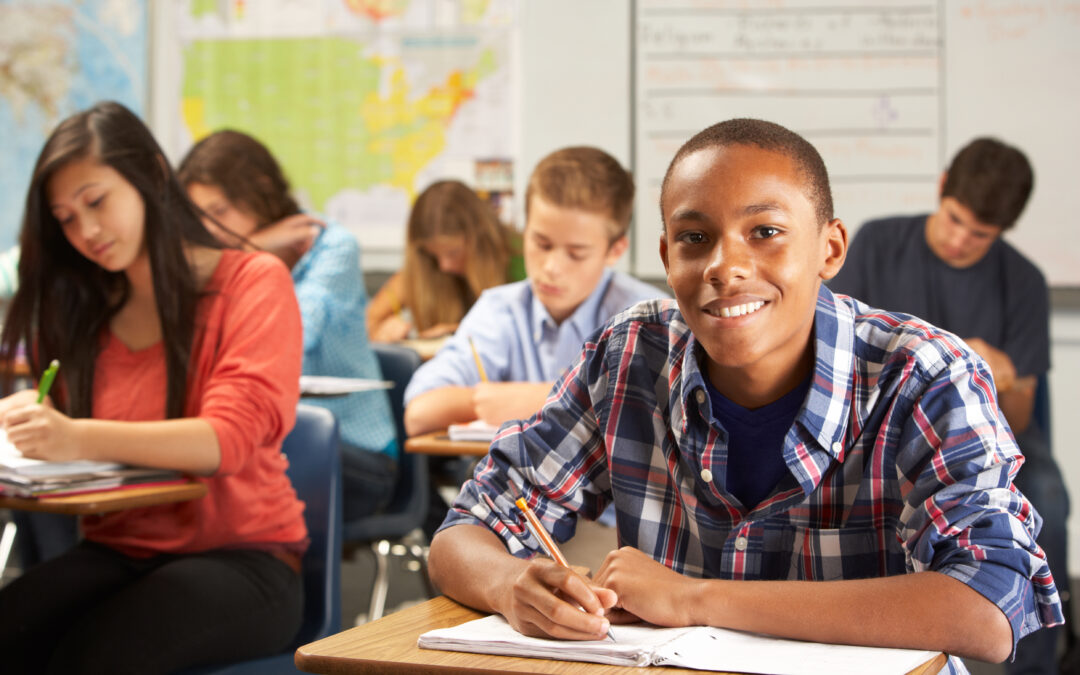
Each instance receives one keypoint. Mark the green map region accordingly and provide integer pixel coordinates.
(317, 103)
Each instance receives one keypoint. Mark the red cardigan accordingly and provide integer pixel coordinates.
(243, 379)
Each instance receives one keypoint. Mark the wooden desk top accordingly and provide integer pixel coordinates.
(438, 443)
(106, 501)
(389, 646)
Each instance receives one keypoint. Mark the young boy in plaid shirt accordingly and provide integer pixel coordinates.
(851, 463)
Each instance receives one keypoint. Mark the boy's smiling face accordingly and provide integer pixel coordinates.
(745, 257)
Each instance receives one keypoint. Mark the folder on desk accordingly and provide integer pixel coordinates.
(698, 647)
(25, 477)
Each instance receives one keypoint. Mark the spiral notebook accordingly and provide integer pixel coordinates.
(697, 647)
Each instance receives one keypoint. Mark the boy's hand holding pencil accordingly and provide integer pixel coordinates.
(567, 583)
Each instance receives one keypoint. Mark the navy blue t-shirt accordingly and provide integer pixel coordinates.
(1002, 298)
(755, 443)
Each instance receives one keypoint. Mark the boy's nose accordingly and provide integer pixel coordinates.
(727, 262)
(552, 264)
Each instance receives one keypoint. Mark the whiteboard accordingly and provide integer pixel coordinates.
(887, 91)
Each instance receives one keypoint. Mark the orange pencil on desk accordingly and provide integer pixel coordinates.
(538, 531)
(479, 363)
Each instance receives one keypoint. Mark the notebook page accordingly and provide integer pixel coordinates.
(706, 648)
(633, 646)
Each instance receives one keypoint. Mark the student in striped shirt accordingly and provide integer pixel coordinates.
(851, 463)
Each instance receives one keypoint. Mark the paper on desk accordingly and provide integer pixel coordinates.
(321, 385)
(698, 647)
(12, 462)
(477, 430)
(633, 646)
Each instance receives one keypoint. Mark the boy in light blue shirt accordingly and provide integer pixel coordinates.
(577, 206)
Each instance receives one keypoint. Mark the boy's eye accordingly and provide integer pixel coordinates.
(97, 202)
(765, 232)
(692, 237)
(577, 256)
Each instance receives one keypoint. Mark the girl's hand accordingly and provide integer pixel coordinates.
(18, 400)
(391, 329)
(297, 232)
(40, 432)
(438, 330)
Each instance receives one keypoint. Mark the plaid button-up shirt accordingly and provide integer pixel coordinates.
(899, 461)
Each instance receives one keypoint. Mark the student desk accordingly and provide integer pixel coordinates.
(389, 646)
(439, 443)
(89, 503)
(106, 501)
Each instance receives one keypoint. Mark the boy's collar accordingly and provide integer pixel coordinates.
(826, 411)
(582, 318)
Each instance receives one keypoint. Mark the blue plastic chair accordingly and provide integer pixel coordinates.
(408, 508)
(315, 471)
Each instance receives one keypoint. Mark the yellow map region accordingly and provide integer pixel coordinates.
(317, 104)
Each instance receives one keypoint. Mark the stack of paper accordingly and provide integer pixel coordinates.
(324, 385)
(24, 477)
(698, 647)
(478, 430)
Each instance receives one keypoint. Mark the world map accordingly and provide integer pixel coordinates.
(57, 58)
(363, 102)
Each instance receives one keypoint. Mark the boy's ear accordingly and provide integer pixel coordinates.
(616, 249)
(836, 242)
(663, 252)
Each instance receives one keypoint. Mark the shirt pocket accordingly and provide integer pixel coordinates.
(826, 554)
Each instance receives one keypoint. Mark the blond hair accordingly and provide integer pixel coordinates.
(451, 208)
(587, 179)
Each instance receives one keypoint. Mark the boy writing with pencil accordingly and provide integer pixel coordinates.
(523, 335)
(851, 463)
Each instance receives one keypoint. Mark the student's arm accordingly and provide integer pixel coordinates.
(442, 390)
(40, 432)
(1016, 395)
(439, 408)
(331, 286)
(295, 233)
(497, 402)
(925, 610)
(384, 322)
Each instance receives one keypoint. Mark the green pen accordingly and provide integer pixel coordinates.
(46, 380)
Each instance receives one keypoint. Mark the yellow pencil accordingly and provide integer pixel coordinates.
(479, 363)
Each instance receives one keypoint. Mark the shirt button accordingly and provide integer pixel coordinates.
(837, 447)
(700, 396)
(740, 544)
(706, 475)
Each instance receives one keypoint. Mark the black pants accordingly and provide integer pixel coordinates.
(94, 610)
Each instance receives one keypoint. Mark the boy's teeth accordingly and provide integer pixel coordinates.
(739, 310)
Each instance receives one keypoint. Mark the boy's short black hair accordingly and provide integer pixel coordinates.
(992, 179)
(767, 136)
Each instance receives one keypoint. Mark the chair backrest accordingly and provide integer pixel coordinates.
(409, 505)
(315, 471)
(397, 364)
